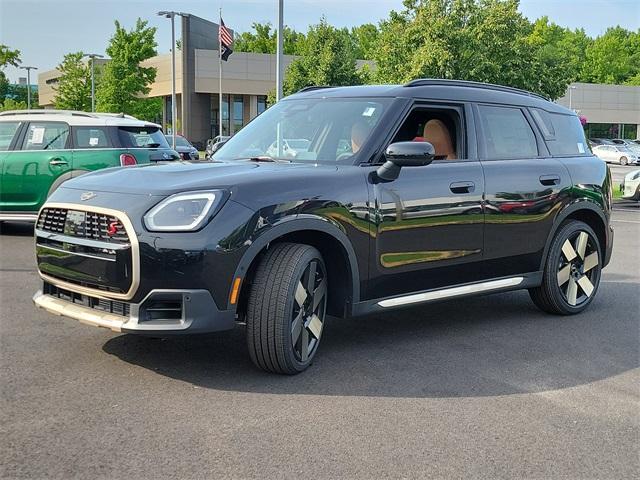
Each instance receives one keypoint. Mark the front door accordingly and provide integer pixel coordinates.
(429, 221)
(29, 171)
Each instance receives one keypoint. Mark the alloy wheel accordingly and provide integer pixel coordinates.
(578, 268)
(308, 312)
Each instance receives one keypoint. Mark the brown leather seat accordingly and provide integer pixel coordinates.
(438, 135)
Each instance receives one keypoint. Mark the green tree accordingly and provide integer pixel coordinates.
(11, 104)
(365, 38)
(614, 57)
(481, 40)
(124, 80)
(263, 39)
(73, 91)
(7, 57)
(327, 57)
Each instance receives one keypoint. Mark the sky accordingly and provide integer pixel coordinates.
(44, 30)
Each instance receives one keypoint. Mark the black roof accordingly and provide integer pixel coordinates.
(440, 89)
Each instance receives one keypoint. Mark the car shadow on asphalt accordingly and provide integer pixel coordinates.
(485, 346)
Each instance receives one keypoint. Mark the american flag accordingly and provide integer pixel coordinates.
(226, 40)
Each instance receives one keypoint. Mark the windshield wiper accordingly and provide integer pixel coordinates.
(263, 158)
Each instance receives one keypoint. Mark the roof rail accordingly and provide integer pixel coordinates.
(468, 83)
(313, 87)
(45, 112)
(75, 113)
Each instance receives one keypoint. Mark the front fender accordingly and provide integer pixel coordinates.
(300, 223)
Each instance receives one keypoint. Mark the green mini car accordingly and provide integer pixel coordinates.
(41, 149)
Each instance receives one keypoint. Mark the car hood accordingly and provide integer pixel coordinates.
(174, 177)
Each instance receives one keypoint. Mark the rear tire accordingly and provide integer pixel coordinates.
(623, 161)
(286, 308)
(572, 270)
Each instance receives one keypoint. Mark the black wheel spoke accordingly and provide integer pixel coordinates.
(304, 345)
(311, 277)
(319, 293)
(296, 327)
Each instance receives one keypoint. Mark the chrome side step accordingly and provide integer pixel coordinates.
(452, 292)
(18, 217)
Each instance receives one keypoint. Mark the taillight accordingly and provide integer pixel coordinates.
(127, 160)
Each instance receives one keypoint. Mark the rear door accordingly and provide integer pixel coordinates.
(525, 189)
(93, 148)
(29, 171)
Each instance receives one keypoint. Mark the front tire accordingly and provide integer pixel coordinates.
(623, 161)
(572, 271)
(286, 308)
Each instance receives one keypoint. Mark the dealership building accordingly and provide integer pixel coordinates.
(610, 110)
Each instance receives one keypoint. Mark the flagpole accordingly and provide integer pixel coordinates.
(220, 68)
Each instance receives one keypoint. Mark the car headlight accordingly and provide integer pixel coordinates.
(184, 212)
(636, 176)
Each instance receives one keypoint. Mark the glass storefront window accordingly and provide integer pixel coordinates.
(262, 103)
(611, 130)
(215, 109)
(238, 113)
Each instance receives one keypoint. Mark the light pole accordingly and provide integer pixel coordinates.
(174, 111)
(28, 69)
(93, 57)
(279, 63)
(571, 89)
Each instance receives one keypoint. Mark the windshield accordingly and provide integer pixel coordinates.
(142, 137)
(180, 141)
(310, 129)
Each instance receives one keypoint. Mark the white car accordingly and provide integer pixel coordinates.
(291, 147)
(616, 154)
(630, 187)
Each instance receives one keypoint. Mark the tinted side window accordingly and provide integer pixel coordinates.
(507, 133)
(563, 133)
(46, 136)
(7, 131)
(91, 137)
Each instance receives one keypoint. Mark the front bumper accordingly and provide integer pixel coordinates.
(161, 312)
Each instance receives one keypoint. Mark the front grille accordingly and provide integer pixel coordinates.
(77, 223)
(52, 220)
(109, 306)
(85, 248)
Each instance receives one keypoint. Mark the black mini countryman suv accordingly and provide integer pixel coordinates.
(336, 202)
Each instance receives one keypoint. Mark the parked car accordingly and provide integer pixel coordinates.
(601, 141)
(184, 148)
(616, 154)
(214, 144)
(291, 147)
(630, 186)
(397, 202)
(42, 149)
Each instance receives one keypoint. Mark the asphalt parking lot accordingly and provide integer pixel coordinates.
(483, 387)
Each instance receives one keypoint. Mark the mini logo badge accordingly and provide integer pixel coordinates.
(113, 229)
(165, 155)
(87, 196)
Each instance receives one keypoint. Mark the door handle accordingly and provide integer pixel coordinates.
(58, 161)
(462, 187)
(550, 179)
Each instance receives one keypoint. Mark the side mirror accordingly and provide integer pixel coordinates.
(405, 154)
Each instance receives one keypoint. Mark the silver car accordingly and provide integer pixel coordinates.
(617, 154)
